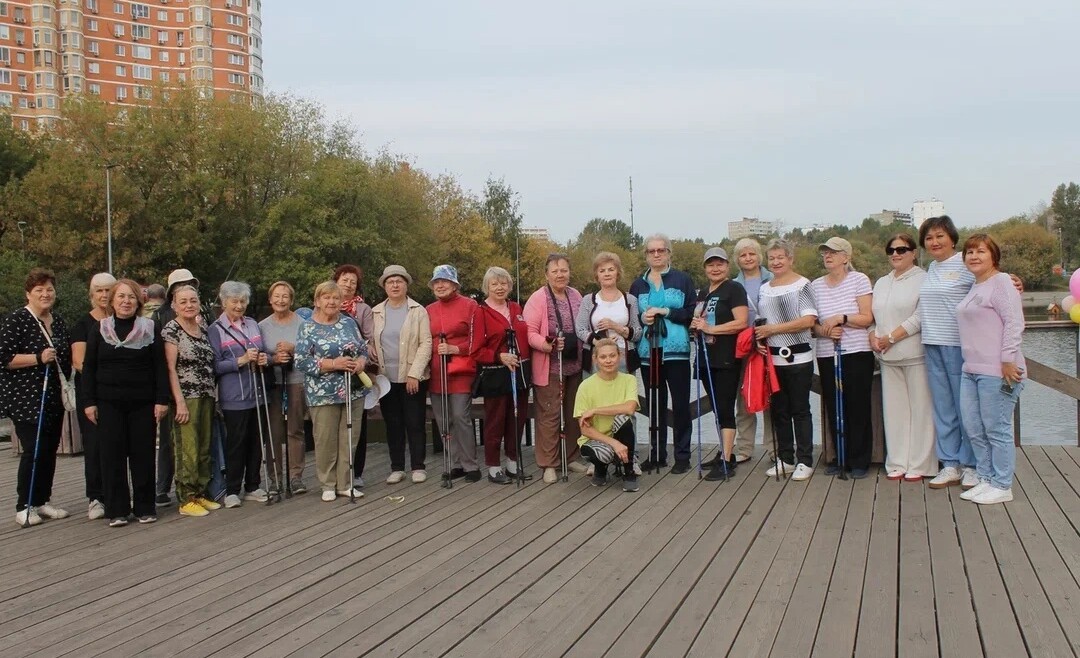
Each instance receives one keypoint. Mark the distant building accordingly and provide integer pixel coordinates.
(886, 217)
(924, 210)
(536, 233)
(750, 227)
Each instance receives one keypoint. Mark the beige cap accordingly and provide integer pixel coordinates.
(836, 244)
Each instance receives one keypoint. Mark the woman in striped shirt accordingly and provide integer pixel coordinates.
(786, 304)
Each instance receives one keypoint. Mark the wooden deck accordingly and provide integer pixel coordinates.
(682, 568)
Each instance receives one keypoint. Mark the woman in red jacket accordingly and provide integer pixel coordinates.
(453, 318)
(499, 362)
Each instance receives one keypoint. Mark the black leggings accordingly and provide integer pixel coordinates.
(404, 417)
(360, 450)
(602, 458)
(792, 421)
(725, 383)
(858, 383)
(676, 376)
(46, 459)
(243, 453)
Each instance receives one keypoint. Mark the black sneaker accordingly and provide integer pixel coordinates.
(498, 478)
(859, 473)
(719, 474)
(472, 476)
(680, 467)
(629, 483)
(832, 469)
(598, 480)
(649, 465)
(162, 500)
(709, 463)
(455, 474)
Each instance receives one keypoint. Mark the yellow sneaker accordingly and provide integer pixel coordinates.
(191, 508)
(206, 503)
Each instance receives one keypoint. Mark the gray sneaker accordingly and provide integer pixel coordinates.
(232, 501)
(358, 482)
(297, 486)
(259, 495)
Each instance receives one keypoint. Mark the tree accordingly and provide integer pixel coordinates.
(500, 209)
(602, 234)
(1065, 205)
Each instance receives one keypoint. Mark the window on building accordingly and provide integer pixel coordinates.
(5, 32)
(179, 17)
(163, 56)
(140, 52)
(140, 31)
(163, 36)
(121, 93)
(120, 49)
(121, 71)
(5, 76)
(237, 60)
(118, 30)
(144, 93)
(92, 5)
(5, 54)
(163, 76)
(181, 77)
(198, 15)
(93, 67)
(24, 103)
(200, 54)
(141, 72)
(236, 79)
(140, 11)
(163, 16)
(3, 9)
(118, 8)
(20, 57)
(92, 25)
(199, 33)
(6, 99)
(233, 19)
(93, 47)
(95, 89)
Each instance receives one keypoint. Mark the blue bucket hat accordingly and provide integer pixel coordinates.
(447, 272)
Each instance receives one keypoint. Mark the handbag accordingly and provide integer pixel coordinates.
(67, 384)
(570, 340)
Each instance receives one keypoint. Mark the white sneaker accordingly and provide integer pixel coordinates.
(576, 467)
(992, 495)
(96, 510)
(591, 470)
(946, 477)
(788, 469)
(328, 496)
(232, 501)
(637, 468)
(802, 472)
(356, 493)
(395, 477)
(50, 512)
(969, 478)
(259, 495)
(419, 476)
(21, 517)
(975, 491)
(550, 476)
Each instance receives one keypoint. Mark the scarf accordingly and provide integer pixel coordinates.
(349, 306)
(142, 334)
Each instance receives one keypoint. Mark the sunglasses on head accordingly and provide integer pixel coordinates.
(889, 251)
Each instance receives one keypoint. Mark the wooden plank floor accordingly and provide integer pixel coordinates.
(752, 567)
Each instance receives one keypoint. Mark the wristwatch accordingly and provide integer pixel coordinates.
(892, 341)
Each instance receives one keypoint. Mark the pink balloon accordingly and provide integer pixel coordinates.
(1068, 303)
(1074, 284)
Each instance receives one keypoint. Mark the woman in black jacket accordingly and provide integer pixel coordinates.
(34, 344)
(126, 392)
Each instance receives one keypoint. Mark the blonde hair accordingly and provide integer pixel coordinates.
(748, 243)
(280, 284)
(604, 342)
(605, 257)
(494, 273)
(326, 288)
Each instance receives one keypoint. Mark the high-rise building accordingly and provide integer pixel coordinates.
(887, 217)
(750, 227)
(924, 210)
(119, 50)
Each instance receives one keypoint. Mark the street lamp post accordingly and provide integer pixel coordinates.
(22, 236)
(108, 210)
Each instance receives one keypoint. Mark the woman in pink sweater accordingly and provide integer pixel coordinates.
(991, 322)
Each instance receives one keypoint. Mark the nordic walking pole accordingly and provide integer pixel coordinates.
(716, 414)
(697, 364)
(285, 420)
(37, 446)
(562, 412)
(262, 440)
(348, 429)
(511, 344)
(444, 427)
(778, 464)
(838, 426)
(274, 470)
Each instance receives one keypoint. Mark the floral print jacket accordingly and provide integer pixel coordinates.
(328, 341)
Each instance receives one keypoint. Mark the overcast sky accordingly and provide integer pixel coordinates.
(805, 111)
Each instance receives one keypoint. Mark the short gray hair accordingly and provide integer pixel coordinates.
(748, 243)
(494, 273)
(779, 244)
(234, 290)
(658, 237)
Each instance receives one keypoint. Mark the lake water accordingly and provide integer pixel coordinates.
(1046, 416)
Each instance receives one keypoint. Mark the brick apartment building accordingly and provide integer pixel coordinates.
(119, 50)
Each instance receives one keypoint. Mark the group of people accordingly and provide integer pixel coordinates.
(229, 395)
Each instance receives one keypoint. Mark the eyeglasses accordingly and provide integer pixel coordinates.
(656, 252)
(889, 251)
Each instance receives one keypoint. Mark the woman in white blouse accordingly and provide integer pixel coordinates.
(909, 427)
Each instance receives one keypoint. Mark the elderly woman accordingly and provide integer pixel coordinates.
(453, 326)
(280, 331)
(844, 298)
(402, 338)
(190, 359)
(604, 408)
(787, 305)
(608, 313)
(348, 279)
(34, 352)
(549, 314)
(991, 323)
(909, 429)
(499, 321)
(667, 299)
(723, 315)
(239, 350)
(125, 393)
(328, 350)
(748, 256)
(100, 284)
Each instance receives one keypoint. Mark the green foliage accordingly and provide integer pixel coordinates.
(1065, 206)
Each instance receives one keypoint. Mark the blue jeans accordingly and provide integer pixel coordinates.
(987, 411)
(944, 365)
